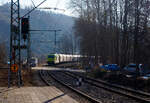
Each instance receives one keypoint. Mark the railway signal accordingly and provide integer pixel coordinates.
(24, 27)
(14, 68)
(16, 29)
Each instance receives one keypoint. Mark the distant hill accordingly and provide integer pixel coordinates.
(39, 20)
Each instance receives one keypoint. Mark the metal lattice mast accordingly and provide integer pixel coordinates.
(15, 50)
(28, 46)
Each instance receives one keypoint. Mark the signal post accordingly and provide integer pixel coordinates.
(18, 41)
(14, 72)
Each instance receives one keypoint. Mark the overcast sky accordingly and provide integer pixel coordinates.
(62, 4)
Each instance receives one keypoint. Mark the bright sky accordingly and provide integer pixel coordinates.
(61, 4)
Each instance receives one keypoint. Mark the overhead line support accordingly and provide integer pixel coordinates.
(15, 54)
(33, 9)
(15, 42)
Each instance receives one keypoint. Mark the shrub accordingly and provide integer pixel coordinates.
(98, 73)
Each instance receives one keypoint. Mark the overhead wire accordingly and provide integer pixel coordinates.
(33, 3)
(57, 3)
(58, 21)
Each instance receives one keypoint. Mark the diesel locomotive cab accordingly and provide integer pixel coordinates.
(51, 59)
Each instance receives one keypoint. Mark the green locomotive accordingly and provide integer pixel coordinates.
(52, 59)
(61, 58)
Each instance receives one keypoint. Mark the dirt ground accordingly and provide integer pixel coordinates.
(30, 78)
(3, 77)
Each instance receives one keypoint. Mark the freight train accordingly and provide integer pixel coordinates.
(61, 58)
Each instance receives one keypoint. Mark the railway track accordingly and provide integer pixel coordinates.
(45, 76)
(131, 93)
(138, 96)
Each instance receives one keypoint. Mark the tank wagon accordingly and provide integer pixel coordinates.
(61, 58)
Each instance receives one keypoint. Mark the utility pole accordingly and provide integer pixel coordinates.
(14, 72)
(28, 47)
(55, 40)
(15, 50)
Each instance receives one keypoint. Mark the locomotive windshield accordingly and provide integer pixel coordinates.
(51, 56)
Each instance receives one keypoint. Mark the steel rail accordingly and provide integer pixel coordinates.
(93, 100)
(42, 77)
(109, 88)
(115, 85)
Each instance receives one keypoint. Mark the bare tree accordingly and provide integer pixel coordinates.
(115, 30)
(3, 54)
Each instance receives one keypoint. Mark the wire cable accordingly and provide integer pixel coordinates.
(57, 3)
(33, 3)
